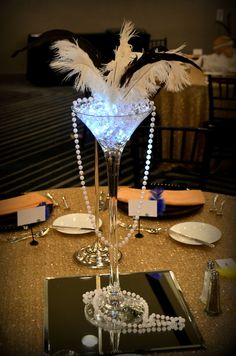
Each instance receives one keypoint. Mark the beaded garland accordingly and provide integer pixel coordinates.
(150, 323)
(82, 179)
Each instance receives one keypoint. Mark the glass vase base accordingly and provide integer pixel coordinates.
(94, 256)
(114, 311)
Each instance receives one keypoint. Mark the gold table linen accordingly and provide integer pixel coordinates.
(189, 107)
(24, 269)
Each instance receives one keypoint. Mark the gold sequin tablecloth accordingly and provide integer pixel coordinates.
(189, 107)
(24, 269)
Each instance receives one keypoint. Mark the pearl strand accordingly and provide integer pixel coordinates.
(144, 181)
(150, 323)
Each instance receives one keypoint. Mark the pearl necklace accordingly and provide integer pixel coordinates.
(82, 179)
(150, 323)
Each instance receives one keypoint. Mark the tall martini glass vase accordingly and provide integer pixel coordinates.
(97, 254)
(112, 126)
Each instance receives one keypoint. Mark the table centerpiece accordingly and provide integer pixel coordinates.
(118, 101)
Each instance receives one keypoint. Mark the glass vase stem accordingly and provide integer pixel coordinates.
(96, 186)
(113, 165)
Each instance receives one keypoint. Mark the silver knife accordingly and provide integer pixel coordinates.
(192, 238)
(73, 227)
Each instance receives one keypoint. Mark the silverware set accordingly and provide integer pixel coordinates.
(103, 201)
(27, 235)
(56, 203)
(43, 232)
(150, 230)
(216, 205)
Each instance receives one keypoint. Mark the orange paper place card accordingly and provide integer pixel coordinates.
(171, 197)
(28, 200)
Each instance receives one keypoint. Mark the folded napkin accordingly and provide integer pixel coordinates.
(28, 200)
(171, 197)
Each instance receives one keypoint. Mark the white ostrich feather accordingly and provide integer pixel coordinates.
(178, 49)
(178, 77)
(72, 59)
(147, 80)
(128, 77)
(123, 55)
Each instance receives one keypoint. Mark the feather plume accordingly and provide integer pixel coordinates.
(152, 56)
(178, 49)
(130, 76)
(153, 70)
(150, 78)
(74, 60)
(123, 56)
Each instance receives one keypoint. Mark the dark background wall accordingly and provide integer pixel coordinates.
(193, 22)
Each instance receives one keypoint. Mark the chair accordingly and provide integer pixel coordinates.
(222, 119)
(180, 156)
(161, 42)
(222, 99)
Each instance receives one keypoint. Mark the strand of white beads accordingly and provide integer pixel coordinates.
(150, 323)
(144, 182)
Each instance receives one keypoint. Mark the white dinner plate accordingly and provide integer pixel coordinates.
(199, 230)
(76, 220)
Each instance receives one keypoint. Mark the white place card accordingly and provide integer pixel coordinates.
(31, 215)
(226, 263)
(148, 208)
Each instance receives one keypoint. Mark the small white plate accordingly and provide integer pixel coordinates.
(75, 220)
(199, 230)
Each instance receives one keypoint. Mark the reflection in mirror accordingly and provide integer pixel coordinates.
(67, 328)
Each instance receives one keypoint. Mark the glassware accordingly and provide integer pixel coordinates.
(97, 254)
(206, 281)
(213, 306)
(113, 126)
